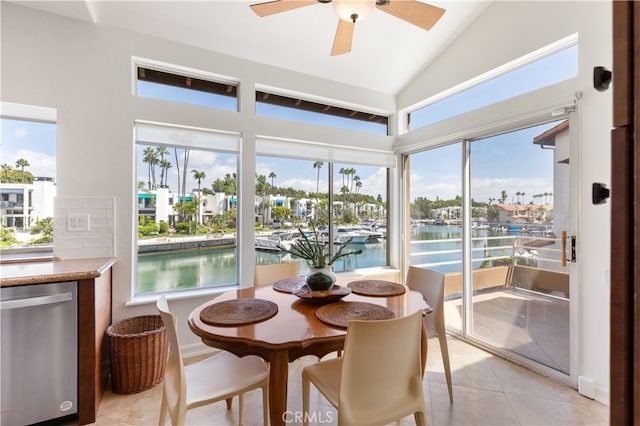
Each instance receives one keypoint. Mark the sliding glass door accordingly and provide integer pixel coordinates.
(493, 214)
(519, 280)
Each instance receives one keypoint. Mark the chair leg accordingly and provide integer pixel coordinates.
(162, 421)
(229, 401)
(265, 405)
(419, 418)
(444, 349)
(306, 390)
(240, 408)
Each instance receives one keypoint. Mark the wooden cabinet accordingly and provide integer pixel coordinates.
(94, 316)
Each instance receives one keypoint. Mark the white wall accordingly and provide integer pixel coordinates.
(504, 32)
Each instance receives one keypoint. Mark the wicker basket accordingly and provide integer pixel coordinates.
(138, 353)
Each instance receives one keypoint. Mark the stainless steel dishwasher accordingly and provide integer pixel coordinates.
(39, 352)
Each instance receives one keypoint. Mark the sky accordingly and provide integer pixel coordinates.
(506, 162)
(509, 162)
(32, 141)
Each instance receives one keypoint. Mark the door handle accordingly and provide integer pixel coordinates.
(564, 248)
(28, 302)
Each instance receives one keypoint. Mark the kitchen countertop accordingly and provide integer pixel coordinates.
(52, 270)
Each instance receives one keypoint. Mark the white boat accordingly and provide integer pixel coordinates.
(343, 234)
(370, 228)
(274, 241)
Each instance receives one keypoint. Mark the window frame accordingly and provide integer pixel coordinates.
(214, 79)
(518, 63)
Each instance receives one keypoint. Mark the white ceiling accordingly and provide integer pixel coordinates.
(386, 52)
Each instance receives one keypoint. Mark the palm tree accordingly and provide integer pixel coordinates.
(22, 163)
(175, 152)
(518, 197)
(150, 158)
(354, 180)
(185, 164)
(165, 165)
(265, 204)
(261, 184)
(162, 151)
(197, 175)
(318, 165)
(343, 172)
(272, 176)
(6, 169)
(503, 196)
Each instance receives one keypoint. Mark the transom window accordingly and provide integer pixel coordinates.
(170, 86)
(279, 106)
(559, 64)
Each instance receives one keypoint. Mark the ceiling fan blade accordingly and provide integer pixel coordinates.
(343, 38)
(413, 11)
(277, 6)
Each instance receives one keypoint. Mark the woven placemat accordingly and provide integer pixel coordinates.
(238, 312)
(288, 285)
(340, 313)
(376, 288)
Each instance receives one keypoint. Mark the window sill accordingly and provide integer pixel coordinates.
(382, 272)
(147, 299)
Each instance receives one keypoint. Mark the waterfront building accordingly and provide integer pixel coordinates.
(23, 204)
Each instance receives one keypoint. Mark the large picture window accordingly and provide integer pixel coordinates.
(187, 203)
(27, 183)
(292, 195)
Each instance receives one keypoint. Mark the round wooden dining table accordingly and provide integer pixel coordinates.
(292, 332)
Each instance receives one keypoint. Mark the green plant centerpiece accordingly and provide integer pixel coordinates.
(319, 258)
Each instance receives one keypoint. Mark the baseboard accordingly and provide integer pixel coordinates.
(602, 395)
(588, 388)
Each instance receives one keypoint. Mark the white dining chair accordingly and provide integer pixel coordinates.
(219, 377)
(379, 377)
(268, 274)
(431, 284)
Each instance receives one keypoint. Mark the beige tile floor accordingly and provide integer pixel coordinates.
(487, 391)
(530, 324)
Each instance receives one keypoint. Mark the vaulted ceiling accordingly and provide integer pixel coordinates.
(386, 53)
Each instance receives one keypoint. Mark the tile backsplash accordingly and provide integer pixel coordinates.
(84, 227)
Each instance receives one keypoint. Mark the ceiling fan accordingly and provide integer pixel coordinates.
(349, 11)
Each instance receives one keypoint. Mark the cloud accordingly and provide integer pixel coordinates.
(40, 164)
(20, 132)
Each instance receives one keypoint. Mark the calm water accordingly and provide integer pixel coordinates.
(176, 270)
(449, 252)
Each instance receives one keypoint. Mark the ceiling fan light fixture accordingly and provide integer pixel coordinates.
(353, 10)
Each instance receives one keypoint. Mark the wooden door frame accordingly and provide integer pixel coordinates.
(624, 361)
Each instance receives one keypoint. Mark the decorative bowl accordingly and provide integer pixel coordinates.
(321, 296)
